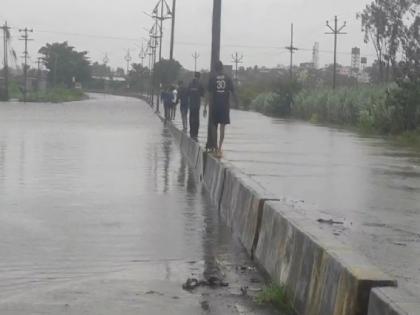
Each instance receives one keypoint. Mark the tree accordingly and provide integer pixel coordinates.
(100, 70)
(138, 77)
(383, 25)
(64, 63)
(166, 72)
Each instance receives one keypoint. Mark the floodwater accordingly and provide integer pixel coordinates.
(100, 214)
(369, 184)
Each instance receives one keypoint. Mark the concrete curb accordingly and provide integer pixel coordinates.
(321, 275)
(391, 301)
(241, 207)
(214, 177)
(190, 150)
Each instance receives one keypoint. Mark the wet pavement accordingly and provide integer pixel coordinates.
(366, 184)
(100, 214)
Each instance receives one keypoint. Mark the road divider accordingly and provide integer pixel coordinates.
(320, 274)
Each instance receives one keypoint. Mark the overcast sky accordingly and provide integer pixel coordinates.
(257, 29)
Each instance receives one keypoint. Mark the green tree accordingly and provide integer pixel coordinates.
(65, 63)
(100, 70)
(166, 72)
(383, 25)
(138, 77)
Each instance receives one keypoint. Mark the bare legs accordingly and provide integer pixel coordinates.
(221, 139)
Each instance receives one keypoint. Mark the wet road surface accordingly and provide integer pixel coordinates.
(100, 214)
(368, 184)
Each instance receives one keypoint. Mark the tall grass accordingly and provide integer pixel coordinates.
(361, 106)
(56, 95)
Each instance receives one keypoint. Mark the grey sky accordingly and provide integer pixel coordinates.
(257, 29)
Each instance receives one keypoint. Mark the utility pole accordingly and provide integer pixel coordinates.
(195, 55)
(171, 54)
(39, 60)
(153, 42)
(6, 36)
(55, 69)
(335, 31)
(150, 54)
(128, 58)
(292, 50)
(237, 59)
(25, 37)
(215, 57)
(142, 54)
(160, 15)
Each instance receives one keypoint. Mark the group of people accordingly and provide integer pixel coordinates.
(220, 88)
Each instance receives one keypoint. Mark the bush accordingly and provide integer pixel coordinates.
(56, 95)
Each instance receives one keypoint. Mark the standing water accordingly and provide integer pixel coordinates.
(99, 214)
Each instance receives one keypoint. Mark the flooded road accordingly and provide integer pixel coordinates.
(367, 183)
(99, 214)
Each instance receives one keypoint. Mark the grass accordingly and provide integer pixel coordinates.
(276, 296)
(409, 139)
(56, 95)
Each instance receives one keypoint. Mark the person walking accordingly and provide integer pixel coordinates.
(195, 94)
(166, 98)
(183, 104)
(220, 89)
(174, 99)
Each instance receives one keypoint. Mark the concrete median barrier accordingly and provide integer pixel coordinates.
(321, 278)
(190, 149)
(241, 207)
(392, 301)
(321, 275)
(214, 177)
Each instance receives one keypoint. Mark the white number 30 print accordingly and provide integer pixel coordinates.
(221, 84)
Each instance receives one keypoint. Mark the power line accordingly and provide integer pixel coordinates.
(195, 55)
(6, 36)
(292, 50)
(335, 31)
(25, 37)
(237, 59)
(128, 58)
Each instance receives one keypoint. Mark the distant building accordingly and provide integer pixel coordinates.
(307, 65)
(355, 60)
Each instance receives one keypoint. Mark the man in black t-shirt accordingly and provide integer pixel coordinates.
(220, 88)
(195, 94)
(184, 105)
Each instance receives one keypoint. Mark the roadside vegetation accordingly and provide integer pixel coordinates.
(57, 95)
(275, 296)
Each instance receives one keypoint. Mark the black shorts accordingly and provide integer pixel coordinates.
(221, 114)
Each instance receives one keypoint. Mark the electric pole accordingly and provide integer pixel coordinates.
(106, 59)
(39, 60)
(237, 59)
(160, 16)
(142, 54)
(335, 31)
(215, 57)
(153, 43)
(195, 55)
(150, 54)
(25, 37)
(292, 50)
(171, 54)
(6, 36)
(128, 58)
